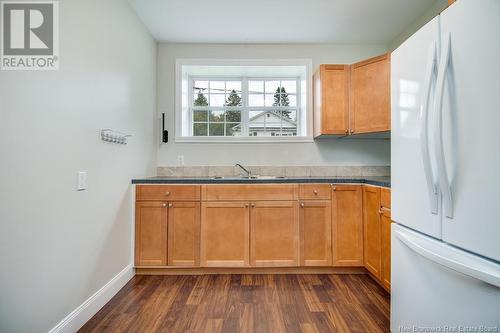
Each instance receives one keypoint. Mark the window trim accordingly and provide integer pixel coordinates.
(307, 113)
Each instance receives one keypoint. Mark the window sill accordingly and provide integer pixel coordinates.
(297, 139)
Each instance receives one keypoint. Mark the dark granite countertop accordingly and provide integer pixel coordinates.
(377, 181)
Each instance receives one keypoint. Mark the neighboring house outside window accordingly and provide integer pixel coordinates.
(243, 103)
(270, 123)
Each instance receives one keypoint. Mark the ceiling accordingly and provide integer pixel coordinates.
(279, 21)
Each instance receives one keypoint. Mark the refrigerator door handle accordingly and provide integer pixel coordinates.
(424, 135)
(473, 268)
(443, 179)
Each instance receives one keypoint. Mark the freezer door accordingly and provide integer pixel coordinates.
(470, 173)
(413, 175)
(436, 285)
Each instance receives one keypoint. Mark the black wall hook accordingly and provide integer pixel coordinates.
(164, 132)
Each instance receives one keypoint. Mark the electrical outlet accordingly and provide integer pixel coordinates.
(82, 181)
(180, 160)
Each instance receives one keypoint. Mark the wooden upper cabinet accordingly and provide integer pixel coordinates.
(370, 95)
(347, 225)
(331, 100)
(225, 234)
(184, 234)
(385, 220)
(372, 230)
(150, 234)
(274, 233)
(353, 99)
(315, 233)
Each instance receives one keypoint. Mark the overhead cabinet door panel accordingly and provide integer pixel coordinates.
(331, 100)
(370, 95)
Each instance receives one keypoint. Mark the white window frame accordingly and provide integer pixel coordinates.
(303, 108)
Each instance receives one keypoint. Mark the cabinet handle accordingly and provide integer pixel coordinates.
(164, 204)
(352, 131)
(346, 131)
(170, 205)
(315, 192)
(246, 205)
(382, 209)
(253, 205)
(302, 204)
(167, 193)
(334, 188)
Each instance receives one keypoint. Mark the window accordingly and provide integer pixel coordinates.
(243, 103)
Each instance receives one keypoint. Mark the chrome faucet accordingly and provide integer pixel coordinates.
(249, 173)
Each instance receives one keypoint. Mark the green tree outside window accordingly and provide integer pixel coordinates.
(281, 99)
(200, 100)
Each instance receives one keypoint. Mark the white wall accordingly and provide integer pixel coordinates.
(59, 246)
(325, 152)
(419, 22)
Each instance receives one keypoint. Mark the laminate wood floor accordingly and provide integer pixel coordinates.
(246, 303)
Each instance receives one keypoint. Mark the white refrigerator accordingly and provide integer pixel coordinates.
(445, 173)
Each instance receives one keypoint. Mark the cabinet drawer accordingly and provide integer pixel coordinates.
(385, 198)
(314, 191)
(249, 192)
(168, 192)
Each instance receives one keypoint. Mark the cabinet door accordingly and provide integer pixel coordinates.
(385, 220)
(372, 236)
(347, 204)
(224, 234)
(274, 234)
(315, 233)
(331, 100)
(385, 198)
(184, 234)
(370, 95)
(150, 234)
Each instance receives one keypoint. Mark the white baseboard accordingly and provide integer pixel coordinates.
(76, 319)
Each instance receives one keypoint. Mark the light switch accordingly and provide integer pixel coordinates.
(82, 181)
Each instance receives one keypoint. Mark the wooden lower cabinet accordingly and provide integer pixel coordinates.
(372, 230)
(385, 219)
(353, 228)
(150, 234)
(184, 234)
(347, 225)
(274, 233)
(315, 218)
(225, 234)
